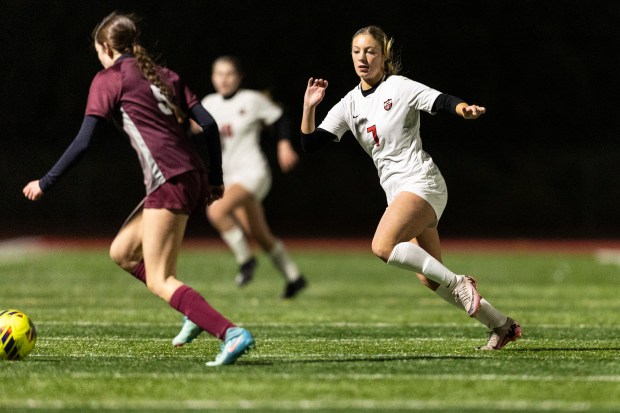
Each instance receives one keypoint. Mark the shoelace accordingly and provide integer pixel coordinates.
(462, 292)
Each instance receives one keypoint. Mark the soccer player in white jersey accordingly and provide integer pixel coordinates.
(241, 115)
(383, 113)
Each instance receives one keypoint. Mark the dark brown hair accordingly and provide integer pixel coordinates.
(121, 33)
(233, 60)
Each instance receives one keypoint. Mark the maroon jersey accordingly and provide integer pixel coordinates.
(122, 94)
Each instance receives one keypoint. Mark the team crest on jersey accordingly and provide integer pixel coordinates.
(387, 105)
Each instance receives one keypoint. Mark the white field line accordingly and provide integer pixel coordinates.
(267, 340)
(315, 405)
(361, 376)
(310, 324)
(268, 324)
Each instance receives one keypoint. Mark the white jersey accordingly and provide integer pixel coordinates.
(240, 120)
(386, 123)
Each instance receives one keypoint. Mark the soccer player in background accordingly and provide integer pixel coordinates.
(241, 115)
(383, 113)
(151, 104)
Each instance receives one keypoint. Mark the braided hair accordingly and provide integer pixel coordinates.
(121, 33)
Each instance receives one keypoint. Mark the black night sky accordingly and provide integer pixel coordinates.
(543, 162)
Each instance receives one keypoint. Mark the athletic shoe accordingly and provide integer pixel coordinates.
(246, 272)
(238, 342)
(294, 287)
(188, 333)
(466, 293)
(502, 335)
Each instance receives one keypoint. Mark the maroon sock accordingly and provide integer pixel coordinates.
(186, 300)
(139, 272)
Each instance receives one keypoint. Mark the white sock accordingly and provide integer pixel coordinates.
(490, 316)
(235, 239)
(412, 257)
(487, 314)
(283, 262)
(446, 293)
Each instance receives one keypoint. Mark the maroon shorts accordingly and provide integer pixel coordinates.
(184, 193)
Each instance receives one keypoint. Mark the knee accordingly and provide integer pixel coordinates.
(382, 249)
(116, 254)
(121, 257)
(215, 215)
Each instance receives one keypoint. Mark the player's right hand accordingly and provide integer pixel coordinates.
(215, 192)
(315, 91)
(33, 191)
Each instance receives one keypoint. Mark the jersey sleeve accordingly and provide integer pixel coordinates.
(191, 99)
(187, 99)
(104, 95)
(335, 121)
(420, 96)
(266, 109)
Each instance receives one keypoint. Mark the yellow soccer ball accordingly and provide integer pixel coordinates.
(17, 335)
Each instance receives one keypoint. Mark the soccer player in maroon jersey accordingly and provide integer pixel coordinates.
(151, 104)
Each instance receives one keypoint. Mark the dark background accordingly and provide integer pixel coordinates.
(542, 162)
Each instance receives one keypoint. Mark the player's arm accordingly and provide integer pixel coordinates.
(211, 134)
(315, 92)
(451, 104)
(73, 154)
(312, 142)
(287, 156)
(312, 139)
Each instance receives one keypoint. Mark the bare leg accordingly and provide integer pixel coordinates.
(252, 215)
(487, 314)
(126, 248)
(151, 241)
(162, 235)
(222, 215)
(406, 218)
(403, 220)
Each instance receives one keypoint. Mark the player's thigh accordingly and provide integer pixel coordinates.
(407, 216)
(234, 197)
(253, 215)
(126, 248)
(163, 232)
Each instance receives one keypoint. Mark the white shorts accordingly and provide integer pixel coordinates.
(432, 190)
(256, 181)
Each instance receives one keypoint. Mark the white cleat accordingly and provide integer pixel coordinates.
(502, 335)
(188, 333)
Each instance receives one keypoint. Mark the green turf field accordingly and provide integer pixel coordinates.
(363, 337)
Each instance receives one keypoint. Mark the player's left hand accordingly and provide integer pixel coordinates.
(287, 157)
(33, 191)
(215, 192)
(473, 111)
